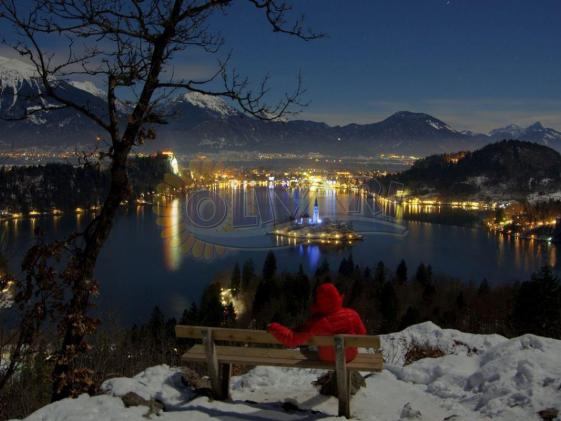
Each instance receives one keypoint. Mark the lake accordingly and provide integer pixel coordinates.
(156, 257)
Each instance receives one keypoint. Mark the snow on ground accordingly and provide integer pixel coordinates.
(480, 377)
(450, 341)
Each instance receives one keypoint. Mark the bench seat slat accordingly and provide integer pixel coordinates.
(280, 357)
(263, 337)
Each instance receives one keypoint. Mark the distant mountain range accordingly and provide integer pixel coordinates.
(199, 123)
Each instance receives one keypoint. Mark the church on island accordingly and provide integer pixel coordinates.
(310, 220)
(315, 230)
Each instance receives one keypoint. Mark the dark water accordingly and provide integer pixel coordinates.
(150, 259)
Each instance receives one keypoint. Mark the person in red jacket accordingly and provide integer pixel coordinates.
(328, 317)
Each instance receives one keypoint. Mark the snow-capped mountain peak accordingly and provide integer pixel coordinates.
(536, 126)
(18, 83)
(89, 87)
(419, 119)
(212, 103)
(13, 72)
(535, 132)
(512, 130)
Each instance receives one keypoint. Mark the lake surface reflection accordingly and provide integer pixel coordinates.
(153, 258)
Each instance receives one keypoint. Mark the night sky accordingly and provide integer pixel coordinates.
(476, 64)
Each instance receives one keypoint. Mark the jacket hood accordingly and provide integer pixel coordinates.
(328, 299)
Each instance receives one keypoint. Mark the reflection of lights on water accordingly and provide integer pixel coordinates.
(312, 252)
(552, 256)
(313, 256)
(178, 239)
(171, 236)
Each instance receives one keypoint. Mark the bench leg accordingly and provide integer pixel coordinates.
(343, 378)
(213, 366)
(225, 374)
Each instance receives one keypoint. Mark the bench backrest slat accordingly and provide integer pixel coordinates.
(265, 338)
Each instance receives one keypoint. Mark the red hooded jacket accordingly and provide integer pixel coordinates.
(329, 317)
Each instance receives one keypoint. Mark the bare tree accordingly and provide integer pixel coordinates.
(131, 45)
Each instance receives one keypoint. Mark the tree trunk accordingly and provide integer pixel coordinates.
(81, 268)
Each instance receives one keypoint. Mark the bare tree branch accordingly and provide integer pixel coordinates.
(134, 43)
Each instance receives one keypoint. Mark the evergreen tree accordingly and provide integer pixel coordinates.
(347, 266)
(170, 329)
(401, 272)
(460, 301)
(537, 308)
(296, 294)
(265, 293)
(235, 280)
(423, 275)
(301, 272)
(323, 269)
(380, 273)
(270, 266)
(156, 324)
(411, 317)
(356, 291)
(388, 306)
(212, 310)
(248, 274)
(343, 266)
(190, 316)
(351, 263)
(367, 273)
(483, 288)
(156, 331)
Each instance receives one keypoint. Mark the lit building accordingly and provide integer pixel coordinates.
(315, 216)
(172, 161)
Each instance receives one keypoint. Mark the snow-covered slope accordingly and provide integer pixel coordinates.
(14, 71)
(22, 92)
(479, 377)
(89, 87)
(209, 102)
(18, 83)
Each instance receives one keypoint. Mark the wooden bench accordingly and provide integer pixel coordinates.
(220, 358)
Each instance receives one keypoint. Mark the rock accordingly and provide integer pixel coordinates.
(548, 414)
(133, 399)
(289, 406)
(200, 385)
(194, 380)
(328, 383)
(408, 412)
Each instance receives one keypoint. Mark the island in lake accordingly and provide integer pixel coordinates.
(313, 229)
